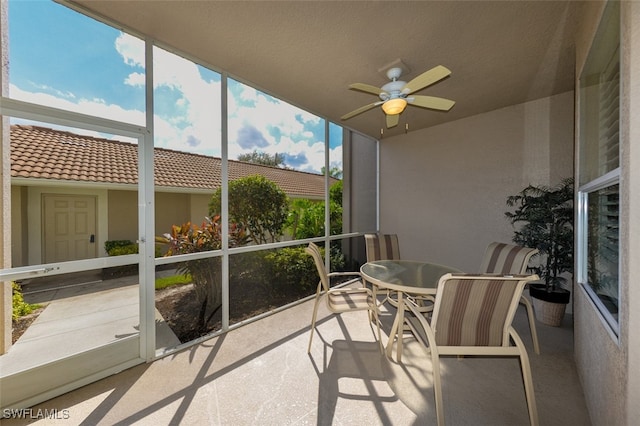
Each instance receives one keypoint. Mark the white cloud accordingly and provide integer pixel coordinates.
(135, 79)
(265, 112)
(131, 49)
(95, 107)
(195, 123)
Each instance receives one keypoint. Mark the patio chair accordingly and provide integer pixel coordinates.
(387, 247)
(472, 316)
(501, 258)
(342, 299)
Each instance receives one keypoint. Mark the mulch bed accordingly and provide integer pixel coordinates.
(19, 326)
(179, 308)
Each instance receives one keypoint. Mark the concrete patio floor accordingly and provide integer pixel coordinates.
(260, 374)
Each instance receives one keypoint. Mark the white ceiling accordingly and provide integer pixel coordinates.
(308, 52)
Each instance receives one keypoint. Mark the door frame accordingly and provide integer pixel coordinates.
(26, 388)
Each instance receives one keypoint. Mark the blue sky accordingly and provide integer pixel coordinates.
(66, 60)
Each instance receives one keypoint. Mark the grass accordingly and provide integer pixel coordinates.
(165, 282)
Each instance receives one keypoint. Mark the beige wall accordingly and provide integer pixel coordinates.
(171, 209)
(122, 215)
(631, 187)
(609, 367)
(199, 207)
(19, 226)
(452, 180)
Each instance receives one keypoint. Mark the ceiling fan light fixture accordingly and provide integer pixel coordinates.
(394, 106)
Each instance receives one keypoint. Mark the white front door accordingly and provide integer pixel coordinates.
(69, 227)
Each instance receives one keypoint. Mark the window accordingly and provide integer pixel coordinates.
(599, 169)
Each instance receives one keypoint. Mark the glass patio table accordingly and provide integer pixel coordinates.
(404, 277)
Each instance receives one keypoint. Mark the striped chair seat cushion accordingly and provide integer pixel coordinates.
(354, 299)
(473, 312)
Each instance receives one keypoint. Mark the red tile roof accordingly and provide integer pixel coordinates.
(43, 153)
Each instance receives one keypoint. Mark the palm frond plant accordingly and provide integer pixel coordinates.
(545, 216)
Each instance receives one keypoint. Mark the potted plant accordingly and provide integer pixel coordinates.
(546, 217)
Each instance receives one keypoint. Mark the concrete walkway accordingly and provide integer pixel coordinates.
(81, 312)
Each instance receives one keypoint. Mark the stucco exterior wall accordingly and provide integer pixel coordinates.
(199, 207)
(19, 226)
(453, 180)
(609, 366)
(122, 215)
(172, 208)
(631, 176)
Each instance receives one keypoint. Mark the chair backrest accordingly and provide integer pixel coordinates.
(501, 258)
(382, 247)
(476, 310)
(314, 251)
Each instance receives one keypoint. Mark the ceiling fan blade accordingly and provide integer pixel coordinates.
(425, 79)
(431, 102)
(367, 88)
(392, 120)
(360, 110)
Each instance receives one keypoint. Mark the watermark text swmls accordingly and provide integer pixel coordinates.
(35, 414)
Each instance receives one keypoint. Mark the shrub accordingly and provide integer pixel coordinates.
(20, 307)
(191, 238)
(293, 270)
(258, 205)
(109, 246)
(123, 250)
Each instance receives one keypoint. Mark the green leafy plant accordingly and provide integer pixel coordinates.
(123, 250)
(256, 204)
(546, 217)
(306, 217)
(20, 307)
(292, 270)
(113, 246)
(205, 273)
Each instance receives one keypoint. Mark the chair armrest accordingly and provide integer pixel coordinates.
(422, 329)
(344, 274)
(355, 275)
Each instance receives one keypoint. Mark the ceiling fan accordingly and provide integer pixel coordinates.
(394, 96)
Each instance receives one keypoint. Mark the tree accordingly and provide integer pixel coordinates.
(334, 172)
(256, 204)
(264, 158)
